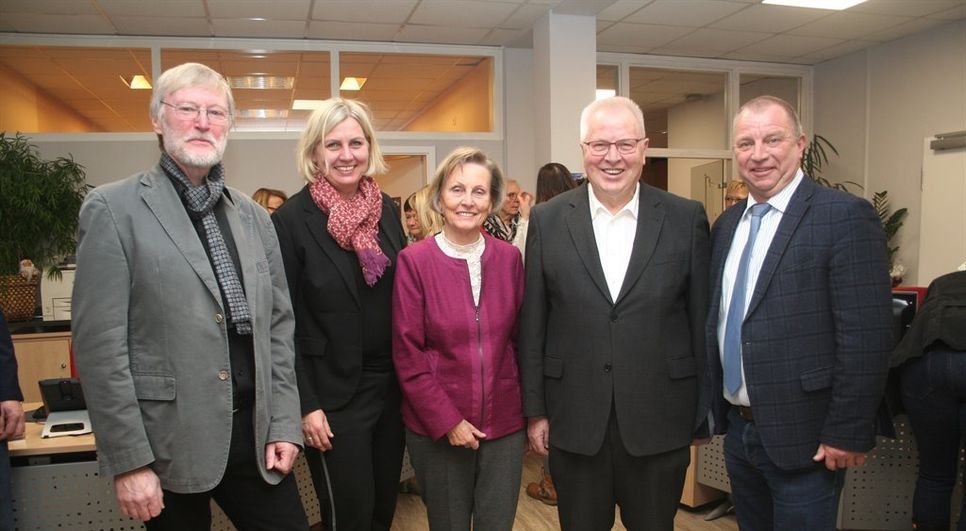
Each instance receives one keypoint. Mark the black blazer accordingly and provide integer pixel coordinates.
(322, 282)
(9, 388)
(582, 353)
(941, 319)
(818, 330)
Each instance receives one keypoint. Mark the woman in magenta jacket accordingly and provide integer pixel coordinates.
(455, 304)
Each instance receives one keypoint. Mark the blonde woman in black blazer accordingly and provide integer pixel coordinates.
(339, 238)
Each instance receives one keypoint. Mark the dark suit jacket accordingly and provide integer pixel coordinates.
(328, 313)
(582, 352)
(818, 329)
(941, 319)
(9, 388)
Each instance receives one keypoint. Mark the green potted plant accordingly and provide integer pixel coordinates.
(39, 203)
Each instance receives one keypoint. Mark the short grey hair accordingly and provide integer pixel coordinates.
(184, 76)
(761, 103)
(613, 102)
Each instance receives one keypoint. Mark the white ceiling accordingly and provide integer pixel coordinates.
(725, 29)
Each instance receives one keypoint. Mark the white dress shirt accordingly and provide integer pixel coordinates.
(766, 233)
(614, 234)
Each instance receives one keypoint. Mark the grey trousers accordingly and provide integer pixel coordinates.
(463, 487)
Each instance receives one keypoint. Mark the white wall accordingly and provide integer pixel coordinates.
(699, 124)
(521, 163)
(911, 88)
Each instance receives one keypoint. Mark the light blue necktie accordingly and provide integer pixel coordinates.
(736, 310)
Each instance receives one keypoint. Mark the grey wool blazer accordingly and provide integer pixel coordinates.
(150, 337)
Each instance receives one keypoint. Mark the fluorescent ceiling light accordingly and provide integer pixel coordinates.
(306, 105)
(837, 5)
(137, 82)
(605, 93)
(353, 83)
(261, 113)
(261, 82)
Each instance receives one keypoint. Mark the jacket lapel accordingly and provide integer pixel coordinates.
(727, 224)
(650, 219)
(791, 218)
(162, 199)
(581, 229)
(317, 223)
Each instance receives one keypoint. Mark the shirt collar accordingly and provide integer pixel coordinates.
(779, 201)
(596, 207)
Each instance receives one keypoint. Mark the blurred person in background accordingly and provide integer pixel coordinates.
(269, 198)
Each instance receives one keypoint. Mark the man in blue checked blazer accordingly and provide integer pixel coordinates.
(798, 329)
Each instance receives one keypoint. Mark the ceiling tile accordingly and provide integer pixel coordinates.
(369, 11)
(352, 31)
(240, 27)
(524, 17)
(789, 45)
(707, 42)
(904, 8)
(69, 24)
(47, 7)
(583, 7)
(461, 13)
(955, 13)
(769, 18)
(274, 10)
(753, 55)
(620, 9)
(838, 50)
(845, 25)
(643, 36)
(901, 30)
(440, 34)
(173, 26)
(499, 37)
(694, 13)
(140, 8)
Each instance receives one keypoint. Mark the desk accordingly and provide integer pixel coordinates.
(56, 485)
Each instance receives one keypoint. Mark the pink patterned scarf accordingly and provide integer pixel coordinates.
(354, 223)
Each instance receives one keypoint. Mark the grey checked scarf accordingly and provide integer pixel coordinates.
(201, 201)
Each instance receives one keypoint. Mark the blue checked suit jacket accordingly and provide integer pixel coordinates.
(817, 333)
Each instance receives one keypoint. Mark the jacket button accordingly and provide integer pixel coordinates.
(223, 375)
(219, 318)
(613, 317)
(607, 367)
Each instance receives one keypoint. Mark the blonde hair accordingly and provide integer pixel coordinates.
(430, 220)
(262, 195)
(468, 155)
(322, 121)
(738, 187)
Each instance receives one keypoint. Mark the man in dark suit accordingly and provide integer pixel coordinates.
(611, 335)
(799, 329)
(11, 420)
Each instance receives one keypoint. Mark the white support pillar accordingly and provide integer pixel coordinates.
(564, 81)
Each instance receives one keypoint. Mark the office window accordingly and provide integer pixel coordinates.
(784, 87)
(273, 90)
(682, 109)
(422, 92)
(54, 89)
(608, 80)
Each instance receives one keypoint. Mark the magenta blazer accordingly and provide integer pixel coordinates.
(455, 360)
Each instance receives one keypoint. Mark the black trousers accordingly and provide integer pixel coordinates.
(647, 488)
(250, 502)
(365, 458)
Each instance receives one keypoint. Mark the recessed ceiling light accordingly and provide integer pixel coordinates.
(261, 82)
(605, 93)
(837, 5)
(353, 83)
(306, 105)
(137, 82)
